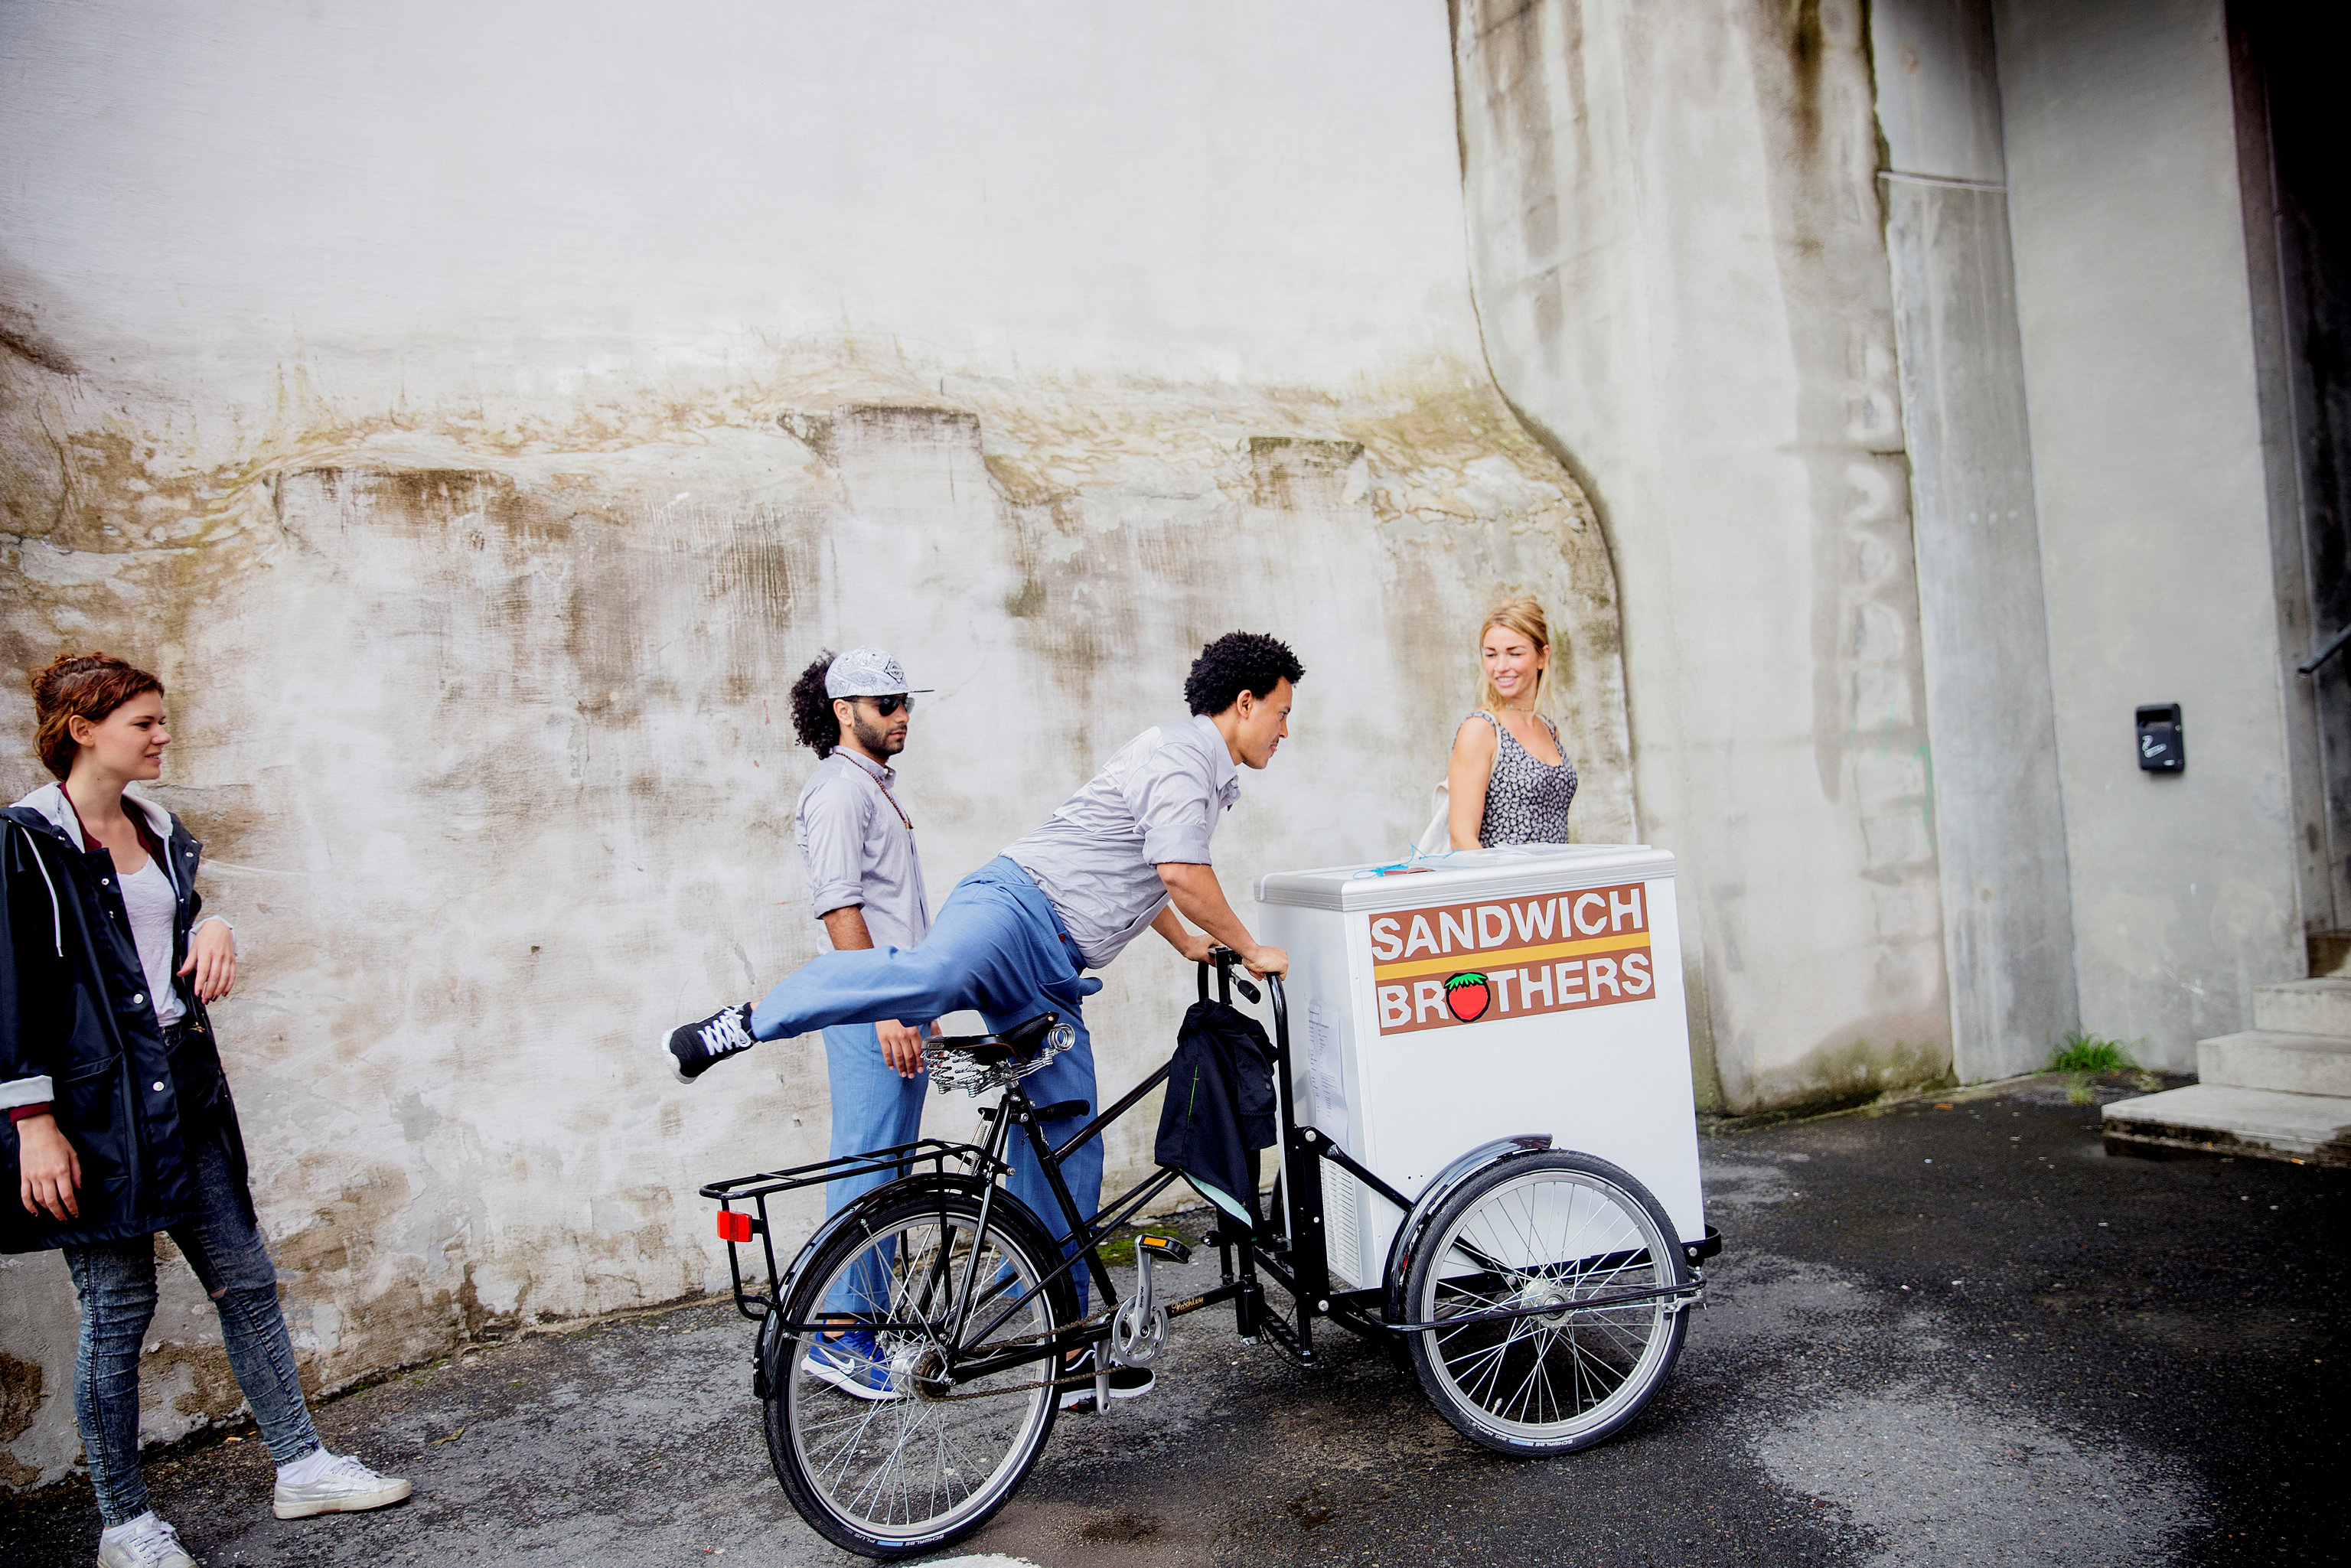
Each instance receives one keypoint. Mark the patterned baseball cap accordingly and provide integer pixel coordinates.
(865, 673)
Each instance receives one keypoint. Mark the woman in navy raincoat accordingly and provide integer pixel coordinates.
(118, 1118)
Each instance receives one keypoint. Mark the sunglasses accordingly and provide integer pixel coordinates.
(887, 705)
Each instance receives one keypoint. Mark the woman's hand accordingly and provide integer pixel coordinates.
(212, 958)
(48, 1169)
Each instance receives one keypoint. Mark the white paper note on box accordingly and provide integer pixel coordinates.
(1326, 1073)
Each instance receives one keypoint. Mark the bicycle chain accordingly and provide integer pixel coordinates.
(1068, 1381)
(999, 1393)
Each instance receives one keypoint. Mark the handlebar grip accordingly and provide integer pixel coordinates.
(1222, 959)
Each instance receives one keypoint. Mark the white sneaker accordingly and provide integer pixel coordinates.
(145, 1543)
(346, 1485)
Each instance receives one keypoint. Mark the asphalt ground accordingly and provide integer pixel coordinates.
(1943, 1332)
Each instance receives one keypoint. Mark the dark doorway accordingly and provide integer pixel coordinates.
(2299, 86)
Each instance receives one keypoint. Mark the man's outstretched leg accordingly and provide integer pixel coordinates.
(850, 987)
(996, 946)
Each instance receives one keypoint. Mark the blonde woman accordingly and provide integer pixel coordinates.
(1510, 781)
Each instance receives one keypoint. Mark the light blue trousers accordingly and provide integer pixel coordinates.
(873, 1108)
(997, 946)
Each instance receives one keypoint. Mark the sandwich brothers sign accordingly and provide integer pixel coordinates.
(1464, 963)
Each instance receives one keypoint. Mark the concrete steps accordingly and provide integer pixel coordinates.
(2304, 1007)
(2214, 1118)
(2293, 1063)
(2281, 1090)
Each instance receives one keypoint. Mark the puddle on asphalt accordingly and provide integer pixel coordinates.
(1767, 1299)
(1942, 1482)
(1735, 1185)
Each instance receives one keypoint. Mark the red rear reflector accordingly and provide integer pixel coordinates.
(734, 1227)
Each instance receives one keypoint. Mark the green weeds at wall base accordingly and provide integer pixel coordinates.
(2082, 1052)
(2087, 1056)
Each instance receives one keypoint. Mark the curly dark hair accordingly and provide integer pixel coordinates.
(1239, 662)
(812, 718)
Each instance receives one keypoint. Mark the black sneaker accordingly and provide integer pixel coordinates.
(1126, 1382)
(690, 1048)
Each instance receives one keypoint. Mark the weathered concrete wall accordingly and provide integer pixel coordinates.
(478, 450)
(1677, 247)
(547, 212)
(2148, 448)
(2000, 819)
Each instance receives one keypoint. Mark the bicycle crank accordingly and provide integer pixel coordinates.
(1139, 1332)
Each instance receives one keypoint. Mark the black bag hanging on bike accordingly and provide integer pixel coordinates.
(1219, 1107)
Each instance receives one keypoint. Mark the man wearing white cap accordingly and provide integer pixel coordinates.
(1124, 854)
(865, 883)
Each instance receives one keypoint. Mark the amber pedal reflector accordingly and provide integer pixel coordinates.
(735, 1226)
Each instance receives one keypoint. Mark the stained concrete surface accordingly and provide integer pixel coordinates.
(616, 628)
(1950, 1332)
(1680, 264)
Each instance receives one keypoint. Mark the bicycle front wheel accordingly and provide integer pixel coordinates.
(1561, 1230)
(877, 1451)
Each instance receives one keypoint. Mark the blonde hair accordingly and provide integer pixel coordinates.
(1524, 615)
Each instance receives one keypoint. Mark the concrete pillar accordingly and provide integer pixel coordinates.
(1676, 252)
(1999, 825)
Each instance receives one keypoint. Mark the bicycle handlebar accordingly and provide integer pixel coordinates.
(1224, 960)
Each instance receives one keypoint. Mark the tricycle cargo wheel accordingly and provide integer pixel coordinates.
(878, 1451)
(1545, 1230)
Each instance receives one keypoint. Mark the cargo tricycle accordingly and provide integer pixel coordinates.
(1538, 1291)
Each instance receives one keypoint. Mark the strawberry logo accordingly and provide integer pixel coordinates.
(1466, 997)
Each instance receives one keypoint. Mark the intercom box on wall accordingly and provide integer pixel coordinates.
(2162, 747)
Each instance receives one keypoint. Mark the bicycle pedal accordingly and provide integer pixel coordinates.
(1165, 1247)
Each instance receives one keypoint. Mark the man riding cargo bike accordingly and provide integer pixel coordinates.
(1539, 1293)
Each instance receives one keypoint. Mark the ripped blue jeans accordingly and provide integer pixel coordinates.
(116, 1281)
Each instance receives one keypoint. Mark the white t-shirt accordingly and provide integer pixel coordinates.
(149, 899)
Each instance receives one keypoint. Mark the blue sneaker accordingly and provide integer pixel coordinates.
(852, 1363)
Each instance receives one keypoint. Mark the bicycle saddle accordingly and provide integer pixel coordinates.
(1017, 1043)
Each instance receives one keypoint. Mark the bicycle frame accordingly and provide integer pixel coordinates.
(1295, 1258)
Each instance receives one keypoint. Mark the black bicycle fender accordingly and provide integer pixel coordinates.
(1432, 1199)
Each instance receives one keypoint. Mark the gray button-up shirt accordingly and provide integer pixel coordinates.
(859, 849)
(1155, 802)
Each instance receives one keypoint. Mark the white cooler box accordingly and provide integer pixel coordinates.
(1482, 995)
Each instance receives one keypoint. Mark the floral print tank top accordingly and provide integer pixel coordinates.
(1526, 798)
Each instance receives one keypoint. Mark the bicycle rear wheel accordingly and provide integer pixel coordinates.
(1547, 1229)
(910, 1463)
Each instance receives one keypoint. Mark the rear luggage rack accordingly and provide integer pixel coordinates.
(738, 1226)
